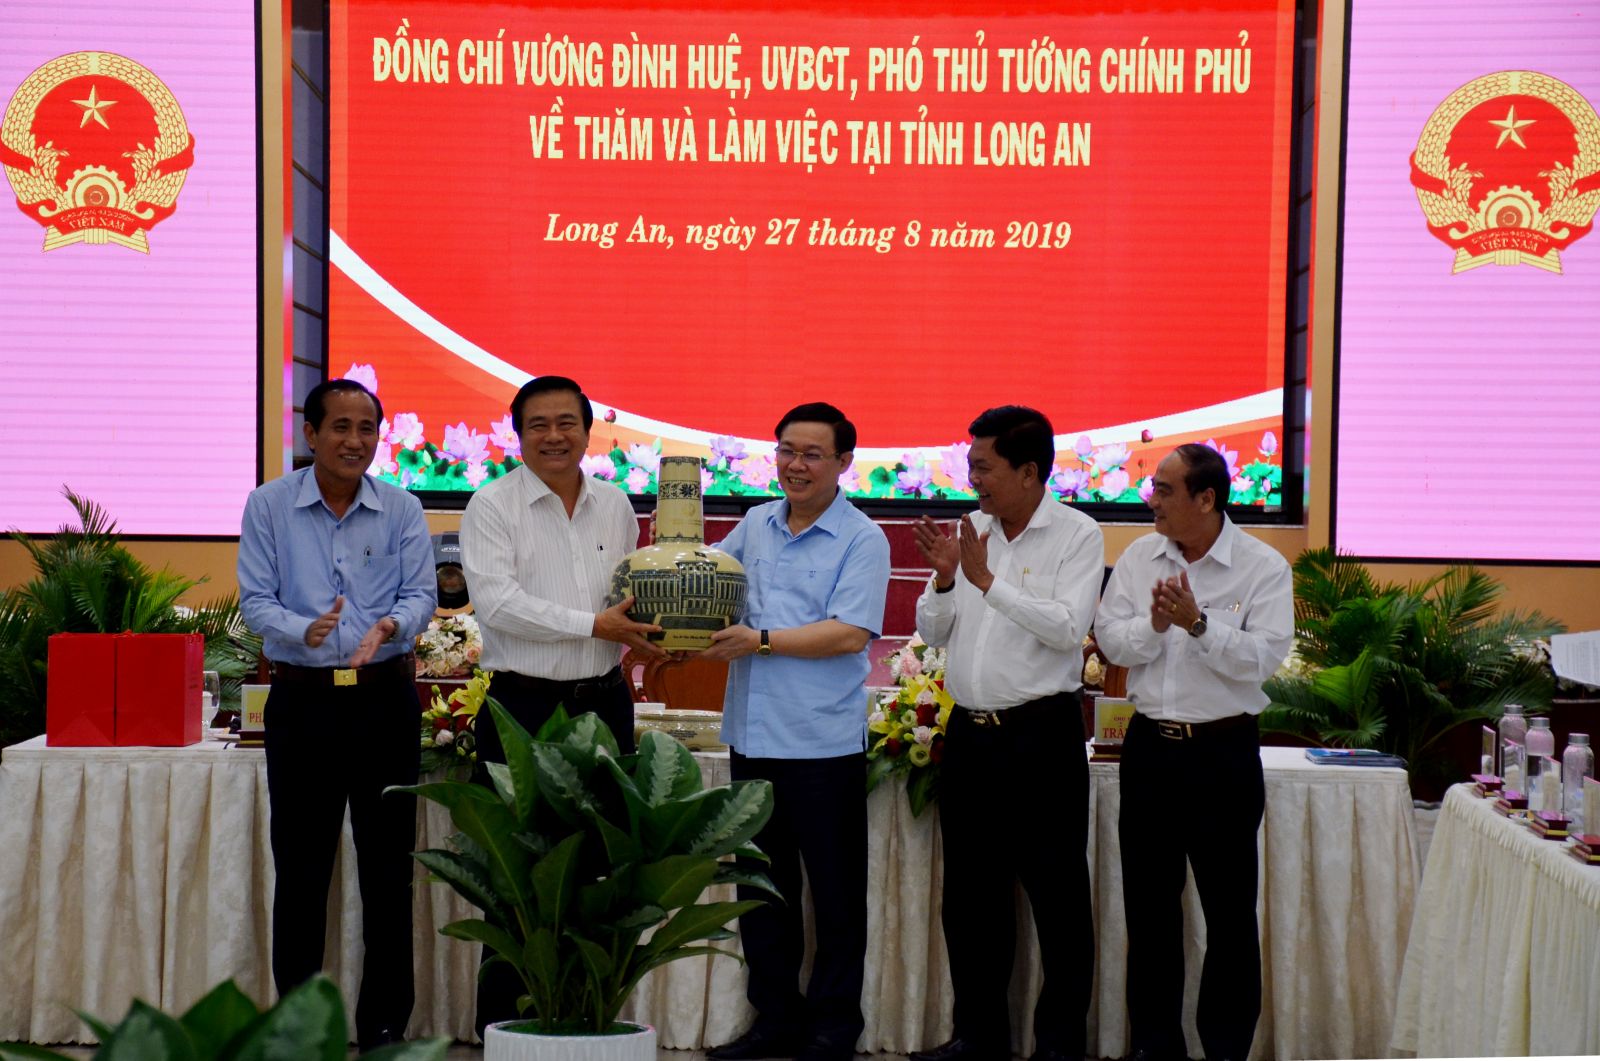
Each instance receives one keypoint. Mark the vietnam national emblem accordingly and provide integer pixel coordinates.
(96, 149)
(1507, 170)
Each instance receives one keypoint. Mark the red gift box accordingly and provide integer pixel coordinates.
(81, 693)
(158, 689)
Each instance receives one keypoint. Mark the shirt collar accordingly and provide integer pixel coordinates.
(535, 489)
(1221, 550)
(830, 522)
(311, 493)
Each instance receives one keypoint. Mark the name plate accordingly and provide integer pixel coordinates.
(1112, 716)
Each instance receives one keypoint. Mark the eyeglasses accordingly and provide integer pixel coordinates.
(812, 457)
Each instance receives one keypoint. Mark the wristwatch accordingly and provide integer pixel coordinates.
(765, 648)
(1198, 627)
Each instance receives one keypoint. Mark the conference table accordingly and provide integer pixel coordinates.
(147, 873)
(1504, 958)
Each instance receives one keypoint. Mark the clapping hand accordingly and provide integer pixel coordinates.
(974, 550)
(323, 624)
(1175, 600)
(939, 549)
(381, 631)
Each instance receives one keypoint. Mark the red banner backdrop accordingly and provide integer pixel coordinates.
(1098, 231)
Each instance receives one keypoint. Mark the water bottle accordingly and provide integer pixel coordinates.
(1577, 763)
(1512, 727)
(1541, 742)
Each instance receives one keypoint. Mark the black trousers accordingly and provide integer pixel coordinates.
(531, 701)
(819, 817)
(1014, 806)
(1201, 799)
(313, 771)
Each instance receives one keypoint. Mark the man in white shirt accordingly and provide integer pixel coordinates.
(1201, 614)
(1012, 597)
(538, 546)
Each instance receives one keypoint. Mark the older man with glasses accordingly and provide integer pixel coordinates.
(795, 715)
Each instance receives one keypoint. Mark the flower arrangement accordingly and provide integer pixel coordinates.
(905, 727)
(449, 647)
(1113, 471)
(449, 740)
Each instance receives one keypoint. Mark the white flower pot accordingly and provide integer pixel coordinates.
(502, 1044)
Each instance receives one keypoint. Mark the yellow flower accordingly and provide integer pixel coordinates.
(919, 755)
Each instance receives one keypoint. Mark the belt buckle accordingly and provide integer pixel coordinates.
(984, 718)
(1173, 730)
(344, 676)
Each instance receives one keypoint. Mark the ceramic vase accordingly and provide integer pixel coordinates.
(688, 588)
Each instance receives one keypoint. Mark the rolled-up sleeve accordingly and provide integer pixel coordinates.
(860, 594)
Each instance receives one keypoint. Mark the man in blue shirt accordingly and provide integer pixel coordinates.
(795, 715)
(336, 575)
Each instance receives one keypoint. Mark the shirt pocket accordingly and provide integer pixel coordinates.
(804, 590)
(1225, 617)
(377, 584)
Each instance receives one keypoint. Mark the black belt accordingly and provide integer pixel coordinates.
(1020, 713)
(345, 677)
(1174, 730)
(580, 689)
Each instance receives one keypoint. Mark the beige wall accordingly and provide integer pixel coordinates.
(1570, 594)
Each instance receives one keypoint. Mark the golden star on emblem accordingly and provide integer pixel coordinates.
(1509, 126)
(93, 106)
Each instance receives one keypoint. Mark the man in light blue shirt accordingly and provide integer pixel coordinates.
(336, 574)
(795, 715)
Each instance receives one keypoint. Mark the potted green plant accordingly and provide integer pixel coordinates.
(307, 1024)
(1397, 667)
(86, 581)
(587, 868)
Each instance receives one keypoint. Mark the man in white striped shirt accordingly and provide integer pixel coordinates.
(538, 545)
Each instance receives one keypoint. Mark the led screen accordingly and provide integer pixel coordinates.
(709, 214)
(1470, 288)
(128, 251)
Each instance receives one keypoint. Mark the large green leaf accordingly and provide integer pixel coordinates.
(731, 816)
(308, 1024)
(469, 879)
(488, 823)
(146, 1033)
(675, 881)
(695, 923)
(497, 939)
(514, 740)
(664, 826)
(216, 1019)
(666, 769)
(622, 847)
(562, 786)
(595, 958)
(732, 873)
(555, 879)
(541, 959)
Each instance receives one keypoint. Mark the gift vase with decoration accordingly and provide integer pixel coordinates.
(688, 588)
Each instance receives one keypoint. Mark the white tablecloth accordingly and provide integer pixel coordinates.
(1505, 949)
(147, 872)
